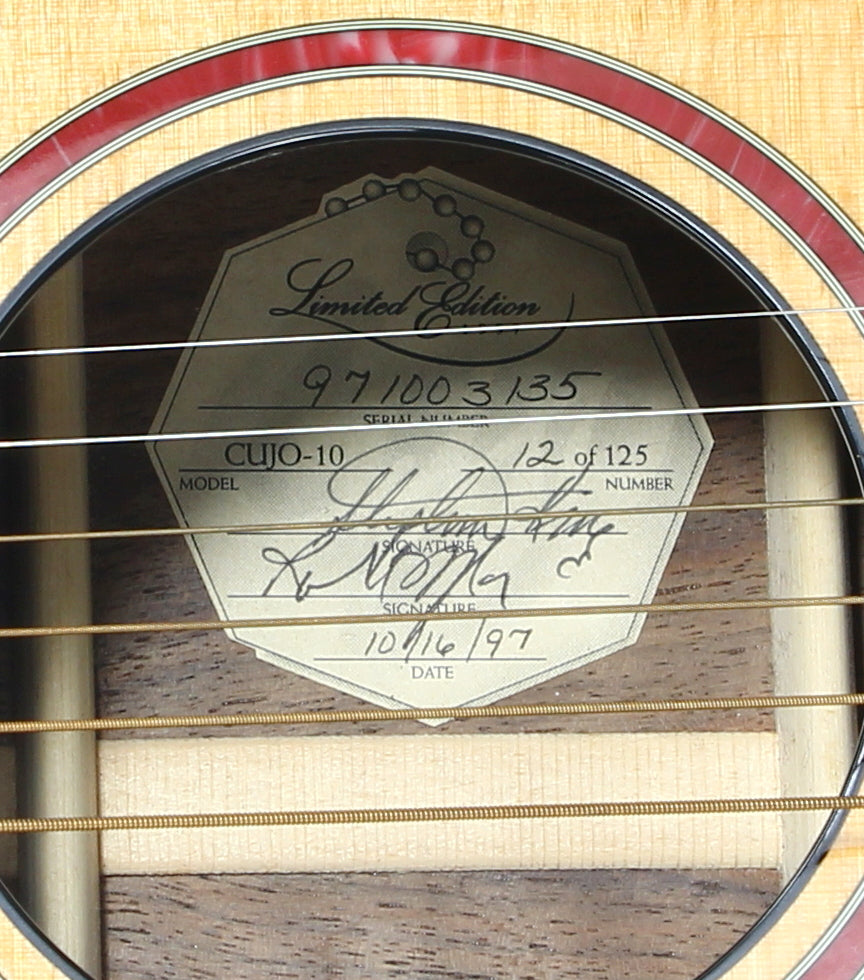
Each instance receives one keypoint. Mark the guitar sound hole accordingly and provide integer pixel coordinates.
(145, 280)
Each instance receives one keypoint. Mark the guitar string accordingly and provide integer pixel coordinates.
(46, 537)
(378, 816)
(385, 618)
(285, 622)
(531, 811)
(268, 622)
(642, 320)
(301, 430)
(372, 335)
(460, 713)
(507, 811)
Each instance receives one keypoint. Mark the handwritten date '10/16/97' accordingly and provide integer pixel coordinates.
(487, 643)
(415, 389)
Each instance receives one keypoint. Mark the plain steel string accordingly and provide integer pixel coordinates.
(585, 416)
(426, 334)
(603, 416)
(441, 813)
(431, 334)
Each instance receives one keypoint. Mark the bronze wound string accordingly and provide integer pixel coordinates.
(515, 811)
(280, 622)
(461, 713)
(357, 523)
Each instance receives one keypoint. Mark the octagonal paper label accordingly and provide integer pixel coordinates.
(390, 413)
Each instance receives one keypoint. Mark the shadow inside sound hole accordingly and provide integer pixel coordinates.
(388, 924)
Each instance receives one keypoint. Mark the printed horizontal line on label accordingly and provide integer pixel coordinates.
(524, 595)
(412, 407)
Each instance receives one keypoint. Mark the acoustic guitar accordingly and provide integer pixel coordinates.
(431, 454)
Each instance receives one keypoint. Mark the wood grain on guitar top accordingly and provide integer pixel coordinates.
(779, 70)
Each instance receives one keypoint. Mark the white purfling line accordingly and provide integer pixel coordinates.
(829, 936)
(474, 75)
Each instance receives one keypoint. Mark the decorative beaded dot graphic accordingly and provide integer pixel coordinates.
(427, 251)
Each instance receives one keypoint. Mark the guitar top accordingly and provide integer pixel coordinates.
(574, 131)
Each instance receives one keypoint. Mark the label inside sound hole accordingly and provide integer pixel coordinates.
(514, 507)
